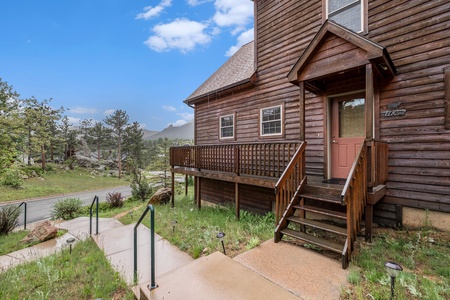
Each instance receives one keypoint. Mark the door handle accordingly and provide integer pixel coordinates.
(334, 141)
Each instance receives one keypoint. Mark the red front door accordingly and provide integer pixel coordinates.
(347, 132)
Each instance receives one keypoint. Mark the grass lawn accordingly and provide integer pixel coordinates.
(59, 182)
(423, 254)
(84, 274)
(196, 230)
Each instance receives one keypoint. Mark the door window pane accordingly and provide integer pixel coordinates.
(351, 118)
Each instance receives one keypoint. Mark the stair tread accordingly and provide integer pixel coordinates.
(323, 211)
(319, 225)
(327, 244)
(324, 198)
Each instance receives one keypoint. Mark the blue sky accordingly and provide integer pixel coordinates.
(95, 56)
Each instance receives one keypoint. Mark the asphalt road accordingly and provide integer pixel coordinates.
(40, 209)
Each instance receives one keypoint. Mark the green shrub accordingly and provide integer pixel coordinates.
(9, 218)
(114, 199)
(32, 171)
(12, 178)
(140, 187)
(67, 209)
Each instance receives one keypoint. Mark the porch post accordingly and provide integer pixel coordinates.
(199, 198)
(236, 198)
(173, 189)
(301, 85)
(369, 103)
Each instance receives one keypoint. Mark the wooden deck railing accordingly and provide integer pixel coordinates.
(290, 184)
(354, 196)
(259, 159)
(377, 161)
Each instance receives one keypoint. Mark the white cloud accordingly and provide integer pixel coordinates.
(74, 121)
(109, 112)
(151, 12)
(233, 13)
(244, 38)
(169, 108)
(182, 34)
(82, 110)
(178, 123)
(197, 2)
(186, 116)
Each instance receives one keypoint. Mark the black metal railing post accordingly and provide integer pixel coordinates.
(152, 246)
(96, 216)
(24, 214)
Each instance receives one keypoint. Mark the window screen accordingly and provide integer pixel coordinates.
(348, 13)
(227, 126)
(271, 120)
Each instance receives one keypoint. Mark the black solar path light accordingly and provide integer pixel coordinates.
(220, 236)
(70, 242)
(393, 270)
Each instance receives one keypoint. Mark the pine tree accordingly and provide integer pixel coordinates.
(117, 121)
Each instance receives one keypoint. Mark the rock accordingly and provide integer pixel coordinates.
(41, 233)
(162, 196)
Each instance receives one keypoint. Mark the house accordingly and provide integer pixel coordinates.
(338, 110)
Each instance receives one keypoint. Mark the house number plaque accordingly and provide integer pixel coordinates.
(393, 110)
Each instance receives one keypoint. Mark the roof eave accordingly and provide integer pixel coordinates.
(199, 98)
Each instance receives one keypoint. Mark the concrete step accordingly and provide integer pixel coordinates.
(217, 277)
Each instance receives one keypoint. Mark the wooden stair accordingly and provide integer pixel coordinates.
(319, 219)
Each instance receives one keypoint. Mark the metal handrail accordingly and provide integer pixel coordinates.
(96, 216)
(24, 215)
(152, 246)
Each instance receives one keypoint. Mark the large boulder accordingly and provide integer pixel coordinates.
(162, 196)
(42, 232)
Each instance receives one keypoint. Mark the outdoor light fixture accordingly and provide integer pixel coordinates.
(70, 242)
(220, 236)
(393, 270)
(174, 223)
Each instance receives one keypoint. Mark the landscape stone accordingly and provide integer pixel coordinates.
(162, 196)
(42, 232)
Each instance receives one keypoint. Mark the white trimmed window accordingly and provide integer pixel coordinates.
(227, 127)
(348, 13)
(271, 120)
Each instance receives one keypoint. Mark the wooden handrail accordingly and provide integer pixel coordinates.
(288, 185)
(354, 196)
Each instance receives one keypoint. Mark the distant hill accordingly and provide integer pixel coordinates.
(148, 133)
(185, 132)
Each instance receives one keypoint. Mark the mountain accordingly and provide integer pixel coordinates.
(185, 132)
(148, 133)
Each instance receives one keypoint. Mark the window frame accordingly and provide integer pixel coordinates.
(233, 115)
(281, 120)
(364, 14)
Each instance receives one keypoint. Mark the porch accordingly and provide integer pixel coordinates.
(281, 167)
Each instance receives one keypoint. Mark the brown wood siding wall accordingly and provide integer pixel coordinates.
(415, 33)
(252, 198)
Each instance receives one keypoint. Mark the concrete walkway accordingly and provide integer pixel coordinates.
(269, 271)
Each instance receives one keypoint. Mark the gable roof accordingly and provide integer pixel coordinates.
(375, 53)
(237, 70)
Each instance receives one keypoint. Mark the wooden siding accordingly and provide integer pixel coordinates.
(415, 33)
(416, 36)
(252, 198)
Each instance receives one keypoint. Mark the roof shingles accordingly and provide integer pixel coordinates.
(239, 68)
